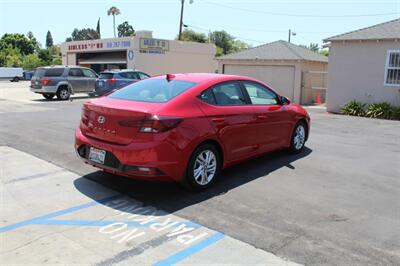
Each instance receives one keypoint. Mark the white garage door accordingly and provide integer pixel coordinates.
(280, 78)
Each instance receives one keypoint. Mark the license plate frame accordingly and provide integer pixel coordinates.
(97, 155)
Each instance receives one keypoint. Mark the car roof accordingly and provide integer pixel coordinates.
(203, 77)
(119, 71)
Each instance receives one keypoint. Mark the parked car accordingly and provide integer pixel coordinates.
(14, 74)
(62, 81)
(187, 127)
(28, 74)
(113, 79)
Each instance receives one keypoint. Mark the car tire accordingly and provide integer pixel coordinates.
(48, 96)
(15, 79)
(196, 177)
(63, 93)
(298, 138)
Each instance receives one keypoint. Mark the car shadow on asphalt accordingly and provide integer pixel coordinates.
(171, 197)
(72, 98)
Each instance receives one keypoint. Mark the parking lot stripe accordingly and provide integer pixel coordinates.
(57, 213)
(190, 250)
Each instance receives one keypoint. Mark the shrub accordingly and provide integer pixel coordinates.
(380, 110)
(353, 108)
(396, 113)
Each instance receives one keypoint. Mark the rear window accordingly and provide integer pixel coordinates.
(152, 90)
(54, 72)
(39, 72)
(106, 75)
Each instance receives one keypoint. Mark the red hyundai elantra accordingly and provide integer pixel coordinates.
(187, 127)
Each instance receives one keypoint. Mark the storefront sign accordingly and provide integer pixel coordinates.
(153, 46)
(90, 45)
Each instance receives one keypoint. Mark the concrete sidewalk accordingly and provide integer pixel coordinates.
(46, 219)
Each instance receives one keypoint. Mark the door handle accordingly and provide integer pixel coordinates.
(218, 119)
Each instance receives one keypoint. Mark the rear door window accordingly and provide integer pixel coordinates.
(54, 72)
(228, 93)
(75, 72)
(152, 90)
(39, 72)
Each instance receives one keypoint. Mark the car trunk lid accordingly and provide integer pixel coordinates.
(115, 121)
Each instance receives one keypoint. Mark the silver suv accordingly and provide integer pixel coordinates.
(62, 81)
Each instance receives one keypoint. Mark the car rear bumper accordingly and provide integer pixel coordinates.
(164, 159)
(44, 89)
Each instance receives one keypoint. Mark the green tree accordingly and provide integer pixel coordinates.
(19, 41)
(125, 30)
(222, 39)
(192, 36)
(31, 61)
(83, 34)
(10, 57)
(98, 28)
(33, 40)
(238, 45)
(324, 52)
(314, 47)
(55, 50)
(113, 11)
(56, 61)
(45, 56)
(49, 39)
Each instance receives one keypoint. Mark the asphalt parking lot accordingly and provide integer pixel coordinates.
(337, 203)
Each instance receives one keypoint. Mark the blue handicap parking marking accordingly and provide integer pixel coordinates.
(45, 218)
(190, 250)
(50, 219)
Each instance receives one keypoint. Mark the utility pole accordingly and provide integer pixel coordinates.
(291, 34)
(181, 21)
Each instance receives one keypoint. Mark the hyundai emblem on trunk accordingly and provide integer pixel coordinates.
(101, 119)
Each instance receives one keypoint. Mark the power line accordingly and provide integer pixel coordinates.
(263, 30)
(301, 15)
(236, 37)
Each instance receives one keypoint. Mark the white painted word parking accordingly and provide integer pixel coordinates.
(142, 221)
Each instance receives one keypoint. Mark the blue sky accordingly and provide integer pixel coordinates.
(254, 21)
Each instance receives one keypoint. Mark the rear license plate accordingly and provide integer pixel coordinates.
(36, 82)
(101, 83)
(96, 155)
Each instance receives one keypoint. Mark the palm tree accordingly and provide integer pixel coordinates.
(114, 11)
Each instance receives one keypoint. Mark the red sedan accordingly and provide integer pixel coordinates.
(187, 127)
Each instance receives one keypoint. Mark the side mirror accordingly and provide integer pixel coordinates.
(283, 100)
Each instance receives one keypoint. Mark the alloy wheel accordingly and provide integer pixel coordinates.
(205, 167)
(299, 137)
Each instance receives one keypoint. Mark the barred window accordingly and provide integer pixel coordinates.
(392, 69)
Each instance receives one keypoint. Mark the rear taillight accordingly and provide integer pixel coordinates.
(45, 81)
(156, 124)
(85, 115)
(153, 123)
(111, 80)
